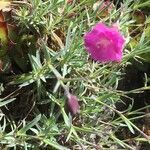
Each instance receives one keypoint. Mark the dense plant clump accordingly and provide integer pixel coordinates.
(74, 74)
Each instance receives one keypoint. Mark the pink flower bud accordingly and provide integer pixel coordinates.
(72, 104)
(69, 1)
(104, 44)
(106, 6)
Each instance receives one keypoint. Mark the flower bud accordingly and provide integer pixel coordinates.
(72, 104)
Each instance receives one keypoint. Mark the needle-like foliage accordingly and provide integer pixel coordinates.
(49, 59)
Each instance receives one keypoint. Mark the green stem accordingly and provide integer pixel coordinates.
(122, 116)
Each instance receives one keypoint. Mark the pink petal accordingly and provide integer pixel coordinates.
(104, 44)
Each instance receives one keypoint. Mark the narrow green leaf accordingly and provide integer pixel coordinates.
(3, 103)
(54, 144)
(29, 125)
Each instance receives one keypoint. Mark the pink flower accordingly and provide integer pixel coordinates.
(104, 44)
(73, 104)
